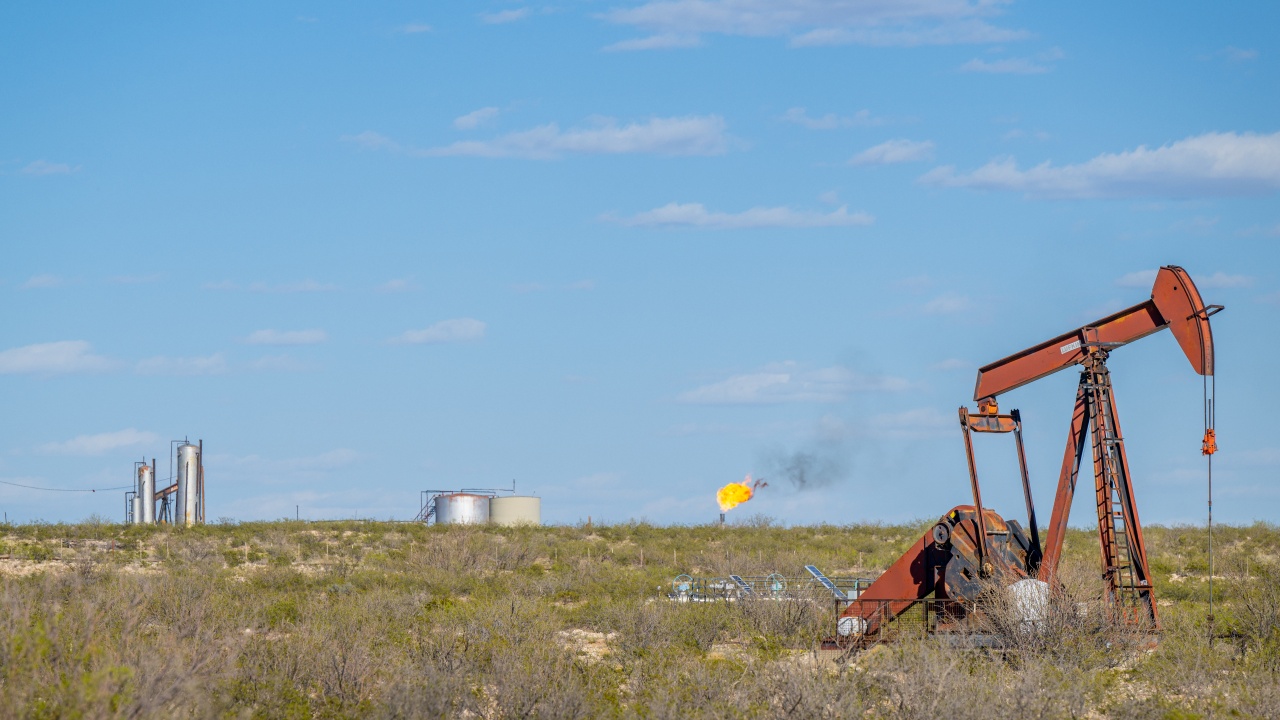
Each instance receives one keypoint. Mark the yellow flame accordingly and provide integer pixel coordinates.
(734, 494)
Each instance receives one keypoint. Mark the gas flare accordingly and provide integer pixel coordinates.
(734, 494)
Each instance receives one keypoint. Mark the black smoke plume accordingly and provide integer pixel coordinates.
(818, 465)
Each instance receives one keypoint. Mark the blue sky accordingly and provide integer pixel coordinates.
(624, 252)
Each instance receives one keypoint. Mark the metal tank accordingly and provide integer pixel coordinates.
(515, 510)
(462, 509)
(146, 497)
(137, 510)
(187, 510)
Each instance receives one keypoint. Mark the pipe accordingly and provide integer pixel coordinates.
(200, 483)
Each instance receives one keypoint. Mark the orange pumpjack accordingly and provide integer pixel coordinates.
(945, 569)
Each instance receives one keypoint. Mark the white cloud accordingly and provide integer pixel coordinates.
(135, 279)
(1019, 133)
(277, 363)
(532, 287)
(1209, 164)
(909, 424)
(696, 215)
(833, 22)
(1147, 278)
(283, 470)
(693, 135)
(1196, 224)
(324, 461)
(471, 119)
(920, 417)
(916, 283)
(371, 140)
(1235, 54)
(665, 41)
(302, 286)
(415, 28)
(948, 304)
(505, 16)
(1253, 230)
(55, 358)
(1015, 66)
(1223, 280)
(286, 337)
(43, 167)
(445, 331)
(100, 443)
(1006, 66)
(397, 285)
(953, 364)
(953, 34)
(43, 282)
(831, 121)
(894, 151)
(787, 383)
(214, 364)
(1138, 278)
(1260, 456)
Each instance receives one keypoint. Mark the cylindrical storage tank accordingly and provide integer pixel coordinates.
(462, 508)
(137, 510)
(515, 510)
(188, 471)
(146, 494)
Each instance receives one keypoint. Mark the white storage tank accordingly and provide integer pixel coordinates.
(187, 511)
(146, 495)
(462, 508)
(515, 510)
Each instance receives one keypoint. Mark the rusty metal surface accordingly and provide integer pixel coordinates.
(1035, 555)
(1125, 555)
(1179, 302)
(965, 422)
(1067, 478)
(1175, 303)
(989, 420)
(1121, 544)
(1065, 350)
(944, 565)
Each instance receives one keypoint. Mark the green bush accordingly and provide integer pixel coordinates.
(364, 619)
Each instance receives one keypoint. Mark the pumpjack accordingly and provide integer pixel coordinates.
(972, 546)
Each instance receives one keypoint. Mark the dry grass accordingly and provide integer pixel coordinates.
(402, 621)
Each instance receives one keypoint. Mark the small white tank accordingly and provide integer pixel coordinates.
(515, 510)
(462, 509)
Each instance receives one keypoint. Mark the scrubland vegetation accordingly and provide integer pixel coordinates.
(385, 620)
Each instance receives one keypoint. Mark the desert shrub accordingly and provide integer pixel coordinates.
(1257, 614)
(366, 619)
